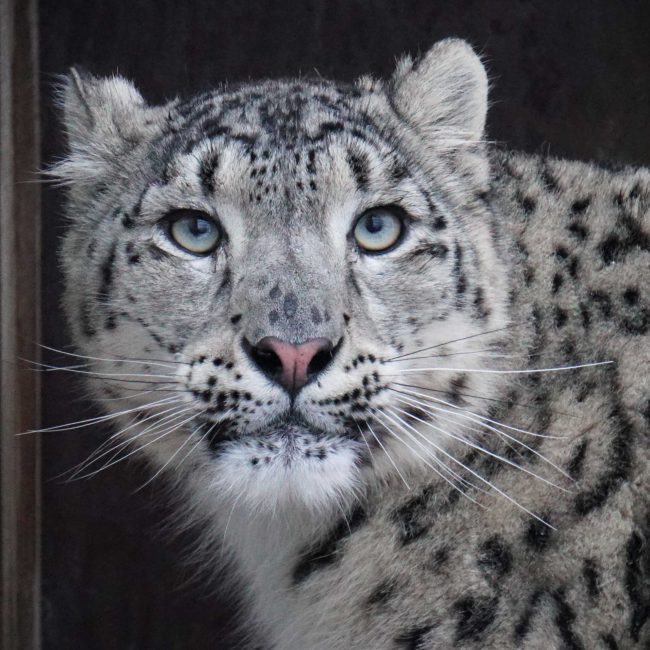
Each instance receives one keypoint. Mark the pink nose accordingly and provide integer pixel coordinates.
(291, 365)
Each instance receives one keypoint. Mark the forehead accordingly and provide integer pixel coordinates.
(272, 112)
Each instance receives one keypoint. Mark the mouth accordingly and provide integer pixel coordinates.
(284, 434)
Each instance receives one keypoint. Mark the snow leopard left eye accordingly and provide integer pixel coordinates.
(193, 231)
(379, 229)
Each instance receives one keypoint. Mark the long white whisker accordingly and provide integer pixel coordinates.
(173, 428)
(484, 480)
(105, 374)
(125, 360)
(483, 450)
(530, 371)
(463, 338)
(80, 424)
(392, 417)
(159, 422)
(465, 416)
(458, 410)
(376, 437)
(171, 458)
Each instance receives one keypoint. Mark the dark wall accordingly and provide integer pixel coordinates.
(568, 78)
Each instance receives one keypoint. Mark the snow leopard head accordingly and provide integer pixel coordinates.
(263, 276)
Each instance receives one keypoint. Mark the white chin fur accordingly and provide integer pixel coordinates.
(288, 470)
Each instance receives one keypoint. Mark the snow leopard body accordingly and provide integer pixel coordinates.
(447, 479)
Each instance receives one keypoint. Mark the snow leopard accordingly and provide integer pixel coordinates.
(397, 374)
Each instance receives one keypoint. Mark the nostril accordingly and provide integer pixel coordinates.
(321, 359)
(263, 356)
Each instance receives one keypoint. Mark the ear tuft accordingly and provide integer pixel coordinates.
(103, 119)
(444, 93)
(101, 111)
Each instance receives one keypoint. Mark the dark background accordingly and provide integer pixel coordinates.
(568, 78)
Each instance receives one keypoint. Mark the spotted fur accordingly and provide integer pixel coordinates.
(405, 497)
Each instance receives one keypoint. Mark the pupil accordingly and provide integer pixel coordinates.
(198, 227)
(374, 224)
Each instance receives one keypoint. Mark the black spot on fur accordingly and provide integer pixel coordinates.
(618, 466)
(603, 301)
(575, 465)
(522, 627)
(106, 271)
(631, 296)
(627, 236)
(409, 517)
(474, 616)
(360, 168)
(439, 558)
(290, 305)
(538, 535)
(557, 282)
(549, 179)
(495, 558)
(564, 619)
(275, 292)
(328, 550)
(127, 221)
(480, 310)
(528, 205)
(637, 582)
(207, 170)
(637, 323)
(457, 384)
(561, 317)
(609, 641)
(383, 592)
(439, 223)
(413, 639)
(591, 575)
(578, 230)
(579, 206)
(398, 171)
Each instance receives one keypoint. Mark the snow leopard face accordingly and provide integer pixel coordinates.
(252, 273)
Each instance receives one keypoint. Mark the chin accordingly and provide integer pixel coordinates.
(287, 466)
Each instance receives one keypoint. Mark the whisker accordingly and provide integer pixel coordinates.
(484, 480)
(363, 437)
(483, 450)
(153, 362)
(466, 415)
(96, 455)
(463, 338)
(171, 458)
(376, 437)
(530, 371)
(80, 424)
(492, 355)
(483, 397)
(139, 448)
(431, 455)
(461, 410)
(104, 374)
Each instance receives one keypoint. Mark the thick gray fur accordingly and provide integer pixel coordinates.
(405, 499)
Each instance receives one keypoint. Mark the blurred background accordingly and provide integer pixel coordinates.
(569, 79)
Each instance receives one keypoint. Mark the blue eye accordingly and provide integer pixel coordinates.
(193, 231)
(378, 229)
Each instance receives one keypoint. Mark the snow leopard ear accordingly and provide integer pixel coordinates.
(444, 93)
(104, 118)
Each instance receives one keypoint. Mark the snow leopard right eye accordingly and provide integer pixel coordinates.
(194, 231)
